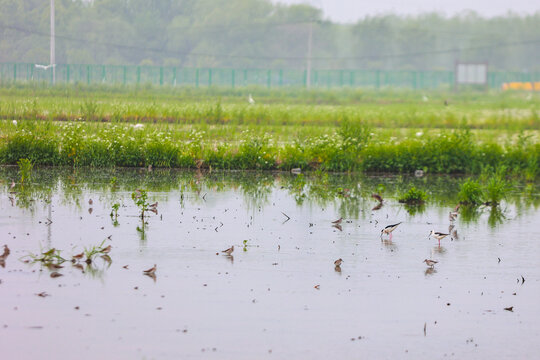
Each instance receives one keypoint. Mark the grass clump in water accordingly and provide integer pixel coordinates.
(496, 187)
(470, 193)
(25, 170)
(413, 197)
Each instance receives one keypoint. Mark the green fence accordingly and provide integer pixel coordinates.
(173, 76)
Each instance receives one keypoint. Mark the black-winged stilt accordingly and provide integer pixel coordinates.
(388, 230)
(437, 235)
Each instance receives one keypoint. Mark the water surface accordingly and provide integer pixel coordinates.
(279, 296)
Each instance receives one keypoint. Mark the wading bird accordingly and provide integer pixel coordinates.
(338, 262)
(150, 271)
(228, 251)
(430, 263)
(250, 100)
(377, 197)
(453, 214)
(388, 230)
(437, 235)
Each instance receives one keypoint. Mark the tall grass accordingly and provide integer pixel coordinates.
(292, 107)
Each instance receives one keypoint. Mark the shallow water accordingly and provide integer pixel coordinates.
(262, 301)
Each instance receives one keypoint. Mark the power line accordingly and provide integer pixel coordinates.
(260, 57)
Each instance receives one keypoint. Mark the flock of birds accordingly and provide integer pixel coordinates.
(387, 230)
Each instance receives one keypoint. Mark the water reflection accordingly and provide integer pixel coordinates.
(350, 193)
(430, 271)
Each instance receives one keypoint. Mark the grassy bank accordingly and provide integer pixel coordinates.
(338, 130)
(350, 147)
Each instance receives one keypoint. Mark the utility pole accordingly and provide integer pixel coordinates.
(309, 46)
(52, 59)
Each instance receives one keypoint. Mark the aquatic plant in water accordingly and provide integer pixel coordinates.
(413, 197)
(470, 193)
(140, 197)
(25, 170)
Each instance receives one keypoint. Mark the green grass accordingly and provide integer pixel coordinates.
(289, 107)
(338, 130)
(112, 145)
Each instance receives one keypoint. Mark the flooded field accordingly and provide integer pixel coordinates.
(278, 295)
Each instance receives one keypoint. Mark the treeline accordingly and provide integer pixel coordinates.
(259, 34)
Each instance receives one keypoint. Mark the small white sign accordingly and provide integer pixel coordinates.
(471, 73)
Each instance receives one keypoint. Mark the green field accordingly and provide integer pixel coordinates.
(333, 130)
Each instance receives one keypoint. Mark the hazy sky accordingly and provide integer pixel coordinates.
(352, 10)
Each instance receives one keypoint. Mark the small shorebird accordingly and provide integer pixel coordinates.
(154, 205)
(150, 271)
(338, 262)
(338, 221)
(106, 250)
(430, 263)
(5, 253)
(437, 235)
(78, 256)
(388, 230)
(228, 251)
(453, 214)
(377, 197)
